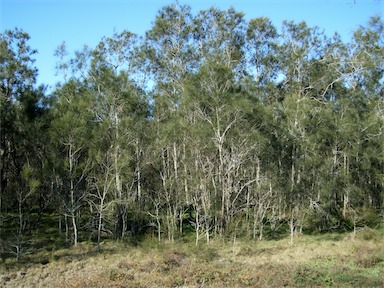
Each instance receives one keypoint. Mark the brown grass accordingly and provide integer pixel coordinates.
(331, 260)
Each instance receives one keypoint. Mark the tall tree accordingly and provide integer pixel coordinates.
(71, 131)
(120, 108)
(22, 112)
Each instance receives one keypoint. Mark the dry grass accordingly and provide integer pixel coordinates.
(332, 260)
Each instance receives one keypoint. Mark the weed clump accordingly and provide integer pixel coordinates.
(368, 234)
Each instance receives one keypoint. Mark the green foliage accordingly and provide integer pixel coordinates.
(209, 125)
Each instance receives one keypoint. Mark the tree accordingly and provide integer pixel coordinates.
(120, 110)
(24, 115)
(220, 37)
(170, 52)
(71, 130)
(17, 75)
(261, 49)
(209, 122)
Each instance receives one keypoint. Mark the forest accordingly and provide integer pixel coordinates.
(208, 126)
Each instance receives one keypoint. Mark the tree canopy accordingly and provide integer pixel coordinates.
(208, 124)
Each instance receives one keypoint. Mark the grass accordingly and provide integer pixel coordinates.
(327, 260)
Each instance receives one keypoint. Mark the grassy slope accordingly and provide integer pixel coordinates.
(330, 260)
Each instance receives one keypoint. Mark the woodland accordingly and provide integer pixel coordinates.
(208, 126)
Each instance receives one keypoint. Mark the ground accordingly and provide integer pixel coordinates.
(327, 260)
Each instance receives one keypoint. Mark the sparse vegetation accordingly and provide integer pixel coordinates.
(329, 260)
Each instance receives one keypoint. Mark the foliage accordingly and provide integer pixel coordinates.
(208, 124)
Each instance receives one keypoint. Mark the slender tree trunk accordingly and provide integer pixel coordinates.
(73, 215)
(247, 211)
(255, 221)
(181, 218)
(207, 233)
(66, 227)
(345, 203)
(100, 224)
(99, 232)
(20, 230)
(71, 155)
(292, 227)
(74, 230)
(186, 190)
(197, 228)
(261, 227)
(158, 223)
(346, 192)
(59, 224)
(138, 174)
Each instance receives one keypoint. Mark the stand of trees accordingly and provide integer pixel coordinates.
(208, 123)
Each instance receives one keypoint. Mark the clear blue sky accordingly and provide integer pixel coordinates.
(79, 22)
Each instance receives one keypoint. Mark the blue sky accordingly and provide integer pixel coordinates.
(79, 22)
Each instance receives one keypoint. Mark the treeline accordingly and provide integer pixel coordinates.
(209, 123)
